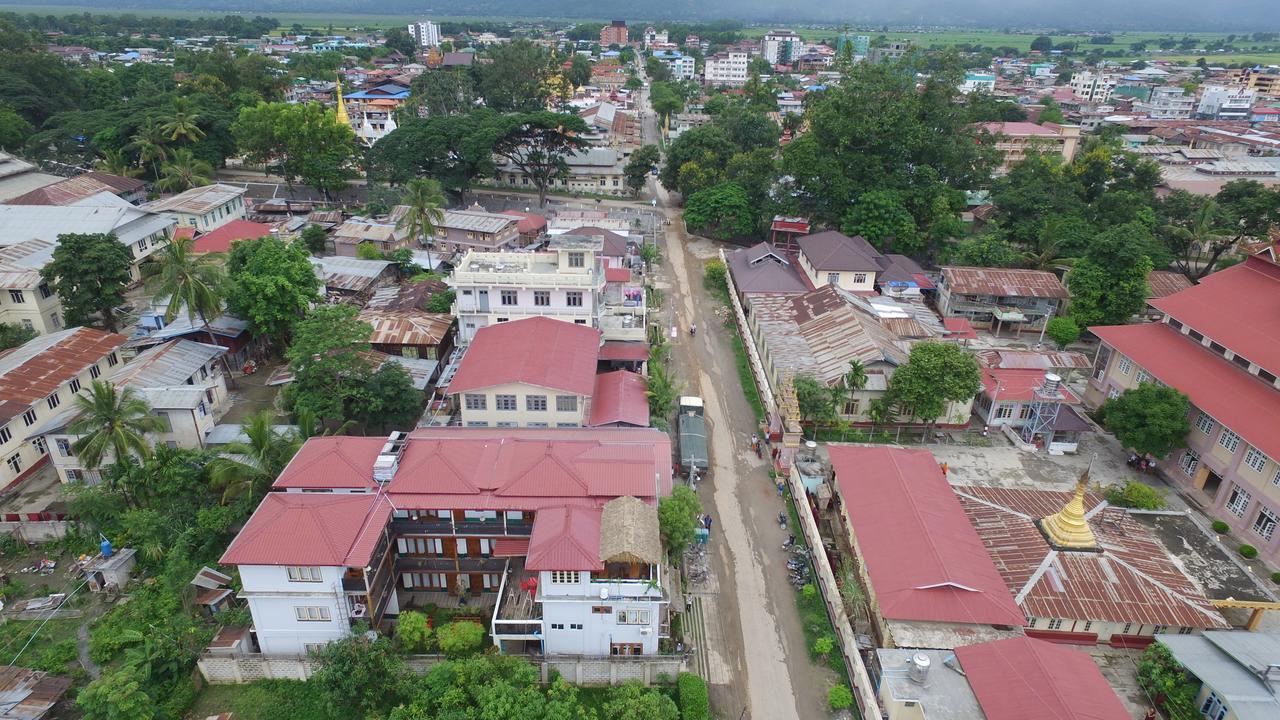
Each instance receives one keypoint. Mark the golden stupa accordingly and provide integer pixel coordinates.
(1068, 528)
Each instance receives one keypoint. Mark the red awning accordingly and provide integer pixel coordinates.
(511, 547)
(923, 281)
(620, 350)
(959, 328)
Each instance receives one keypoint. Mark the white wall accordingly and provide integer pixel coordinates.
(273, 598)
(522, 417)
(42, 314)
(852, 281)
(570, 604)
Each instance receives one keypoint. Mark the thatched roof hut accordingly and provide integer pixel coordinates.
(629, 532)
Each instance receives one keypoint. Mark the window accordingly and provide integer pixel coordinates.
(633, 616)
(575, 626)
(45, 292)
(1270, 377)
(1004, 411)
(1185, 630)
(1088, 625)
(577, 259)
(1055, 624)
(462, 547)
(536, 425)
(112, 360)
(53, 401)
(851, 407)
(311, 613)
(1188, 463)
(1143, 376)
(40, 446)
(833, 278)
(75, 385)
(859, 278)
(1126, 365)
(564, 577)
(1205, 424)
(477, 423)
(5, 434)
(573, 298)
(1159, 629)
(1216, 347)
(202, 409)
(29, 417)
(1255, 459)
(1175, 324)
(504, 402)
(472, 401)
(566, 403)
(15, 463)
(1265, 523)
(73, 475)
(1275, 480)
(17, 296)
(26, 323)
(510, 297)
(1229, 440)
(601, 610)
(1113, 393)
(94, 372)
(304, 574)
(1239, 501)
(535, 403)
(1197, 336)
(626, 649)
(557, 626)
(309, 648)
(142, 244)
(423, 580)
(542, 298)
(1241, 361)
(1024, 413)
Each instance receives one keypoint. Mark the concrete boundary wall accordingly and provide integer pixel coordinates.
(578, 670)
(744, 333)
(35, 530)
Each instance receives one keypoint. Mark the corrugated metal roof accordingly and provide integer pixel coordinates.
(620, 397)
(164, 398)
(197, 201)
(35, 370)
(924, 558)
(348, 274)
(311, 529)
(835, 251)
(27, 694)
(1132, 580)
(477, 221)
(1032, 359)
(565, 538)
(65, 192)
(20, 264)
(168, 365)
(1161, 283)
(1002, 282)
(407, 327)
(553, 354)
(1023, 678)
(1228, 662)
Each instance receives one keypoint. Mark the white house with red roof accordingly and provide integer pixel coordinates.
(552, 535)
(1219, 344)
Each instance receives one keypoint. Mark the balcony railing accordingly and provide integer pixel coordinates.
(355, 585)
(433, 526)
(449, 564)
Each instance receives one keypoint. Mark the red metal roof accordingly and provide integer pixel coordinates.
(1132, 580)
(622, 350)
(311, 529)
(1238, 307)
(183, 232)
(494, 468)
(219, 240)
(1233, 397)
(620, 397)
(790, 225)
(959, 328)
(925, 560)
(1017, 129)
(33, 371)
(565, 538)
(529, 224)
(617, 274)
(1023, 678)
(540, 351)
(511, 547)
(1019, 385)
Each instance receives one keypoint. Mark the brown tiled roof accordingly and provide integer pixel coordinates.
(1163, 283)
(831, 250)
(407, 327)
(1003, 282)
(1132, 580)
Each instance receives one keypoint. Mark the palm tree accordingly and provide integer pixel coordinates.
(248, 467)
(115, 163)
(855, 379)
(426, 202)
(182, 278)
(1200, 241)
(182, 122)
(113, 422)
(149, 141)
(184, 172)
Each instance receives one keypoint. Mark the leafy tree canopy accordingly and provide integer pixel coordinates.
(1149, 418)
(89, 272)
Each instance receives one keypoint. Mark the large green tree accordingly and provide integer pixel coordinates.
(1150, 418)
(361, 677)
(330, 364)
(678, 519)
(697, 159)
(1108, 285)
(935, 374)
(442, 92)
(388, 399)
(304, 142)
(882, 218)
(722, 211)
(270, 284)
(639, 165)
(515, 77)
(538, 145)
(89, 272)
(452, 149)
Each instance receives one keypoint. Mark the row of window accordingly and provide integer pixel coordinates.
(18, 296)
(509, 403)
(440, 581)
(541, 298)
(435, 546)
(1057, 624)
(1264, 523)
(508, 424)
(1235, 358)
(1254, 458)
(564, 182)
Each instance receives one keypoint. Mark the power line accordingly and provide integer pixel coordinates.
(46, 620)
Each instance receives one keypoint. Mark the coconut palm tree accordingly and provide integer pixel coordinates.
(115, 163)
(114, 422)
(247, 467)
(1198, 240)
(184, 172)
(182, 278)
(149, 141)
(425, 200)
(182, 122)
(855, 379)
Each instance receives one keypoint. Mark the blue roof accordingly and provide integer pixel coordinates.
(667, 54)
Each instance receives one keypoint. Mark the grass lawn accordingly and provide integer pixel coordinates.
(262, 700)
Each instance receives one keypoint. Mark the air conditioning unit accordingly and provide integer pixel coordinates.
(646, 630)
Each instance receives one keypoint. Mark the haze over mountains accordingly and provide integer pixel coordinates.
(1185, 15)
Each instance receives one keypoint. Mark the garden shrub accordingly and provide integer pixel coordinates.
(692, 693)
(1249, 551)
(840, 697)
(1220, 527)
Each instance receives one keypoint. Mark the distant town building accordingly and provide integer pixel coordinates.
(654, 37)
(978, 81)
(1167, 103)
(728, 69)
(425, 33)
(856, 46)
(615, 33)
(890, 52)
(1015, 139)
(1093, 87)
(782, 47)
(1222, 102)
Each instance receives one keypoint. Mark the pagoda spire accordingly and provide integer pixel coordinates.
(1068, 529)
(342, 106)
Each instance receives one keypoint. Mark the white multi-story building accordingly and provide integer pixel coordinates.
(568, 281)
(1223, 102)
(654, 37)
(39, 380)
(978, 81)
(726, 69)
(1093, 87)
(204, 208)
(425, 33)
(782, 47)
(1167, 103)
(552, 534)
(25, 298)
(682, 67)
(181, 382)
